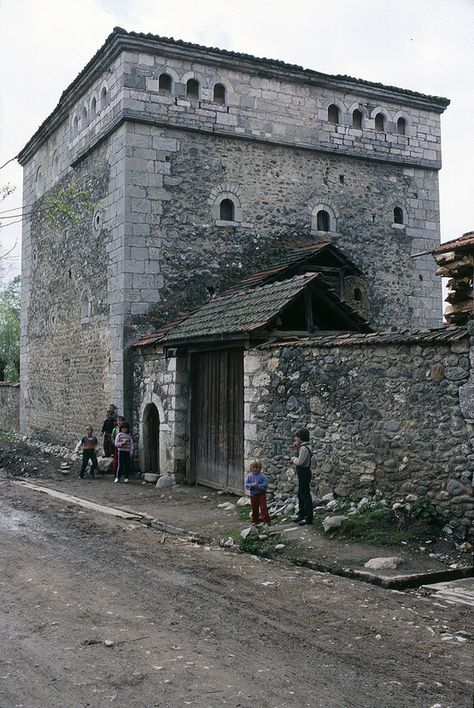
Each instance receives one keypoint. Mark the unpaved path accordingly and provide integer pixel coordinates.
(202, 627)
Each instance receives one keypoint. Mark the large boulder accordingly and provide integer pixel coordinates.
(165, 482)
(333, 522)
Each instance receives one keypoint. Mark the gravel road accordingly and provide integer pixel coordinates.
(98, 611)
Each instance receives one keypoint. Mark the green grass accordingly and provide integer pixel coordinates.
(380, 526)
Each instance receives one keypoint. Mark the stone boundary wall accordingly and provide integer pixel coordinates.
(384, 419)
(10, 407)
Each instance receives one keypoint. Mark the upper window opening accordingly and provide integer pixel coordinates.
(333, 114)
(192, 88)
(103, 97)
(84, 116)
(164, 83)
(227, 210)
(357, 119)
(75, 124)
(93, 107)
(401, 126)
(358, 295)
(219, 94)
(398, 215)
(85, 307)
(380, 122)
(323, 222)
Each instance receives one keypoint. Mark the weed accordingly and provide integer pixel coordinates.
(423, 510)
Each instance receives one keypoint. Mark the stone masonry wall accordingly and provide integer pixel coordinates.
(384, 420)
(163, 381)
(10, 407)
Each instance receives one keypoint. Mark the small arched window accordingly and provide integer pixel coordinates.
(75, 125)
(227, 210)
(164, 83)
(55, 165)
(84, 116)
(357, 295)
(323, 222)
(85, 307)
(398, 215)
(401, 126)
(103, 97)
(357, 119)
(219, 94)
(93, 107)
(380, 122)
(333, 114)
(192, 88)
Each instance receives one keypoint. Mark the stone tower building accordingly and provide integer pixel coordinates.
(168, 170)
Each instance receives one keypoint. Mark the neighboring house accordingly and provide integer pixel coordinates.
(455, 261)
(182, 170)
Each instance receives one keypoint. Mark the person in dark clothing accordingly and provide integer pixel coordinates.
(302, 462)
(88, 444)
(107, 427)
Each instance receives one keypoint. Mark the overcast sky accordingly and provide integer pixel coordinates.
(423, 45)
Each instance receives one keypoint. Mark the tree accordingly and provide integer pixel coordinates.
(10, 330)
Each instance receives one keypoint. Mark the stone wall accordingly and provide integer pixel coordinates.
(384, 419)
(162, 381)
(10, 407)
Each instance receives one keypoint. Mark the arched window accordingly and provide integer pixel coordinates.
(398, 215)
(357, 295)
(192, 88)
(219, 94)
(333, 114)
(401, 126)
(75, 125)
(85, 307)
(93, 107)
(164, 83)
(357, 119)
(103, 97)
(380, 122)
(55, 165)
(84, 116)
(227, 210)
(323, 222)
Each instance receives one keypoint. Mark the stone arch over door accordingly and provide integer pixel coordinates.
(151, 439)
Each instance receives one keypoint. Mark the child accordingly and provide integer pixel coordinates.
(302, 462)
(112, 409)
(107, 428)
(124, 445)
(256, 484)
(88, 443)
(115, 432)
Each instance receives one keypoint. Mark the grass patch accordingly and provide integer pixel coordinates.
(260, 546)
(243, 512)
(381, 527)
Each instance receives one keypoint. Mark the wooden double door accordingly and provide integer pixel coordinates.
(217, 418)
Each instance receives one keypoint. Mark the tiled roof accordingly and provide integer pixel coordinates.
(294, 257)
(432, 336)
(243, 310)
(463, 242)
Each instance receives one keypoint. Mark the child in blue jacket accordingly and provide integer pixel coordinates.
(256, 485)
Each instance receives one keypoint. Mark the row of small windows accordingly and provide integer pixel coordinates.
(89, 112)
(380, 120)
(192, 88)
(323, 218)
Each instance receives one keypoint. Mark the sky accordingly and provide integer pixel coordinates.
(423, 45)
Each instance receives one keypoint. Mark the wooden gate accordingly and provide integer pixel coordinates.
(217, 419)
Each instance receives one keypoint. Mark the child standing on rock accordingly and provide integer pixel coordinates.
(124, 445)
(88, 444)
(256, 484)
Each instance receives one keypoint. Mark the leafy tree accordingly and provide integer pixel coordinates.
(10, 329)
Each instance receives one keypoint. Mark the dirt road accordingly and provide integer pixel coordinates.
(97, 611)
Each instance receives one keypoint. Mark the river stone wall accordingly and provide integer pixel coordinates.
(384, 419)
(10, 407)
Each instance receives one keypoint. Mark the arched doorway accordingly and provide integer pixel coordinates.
(151, 439)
